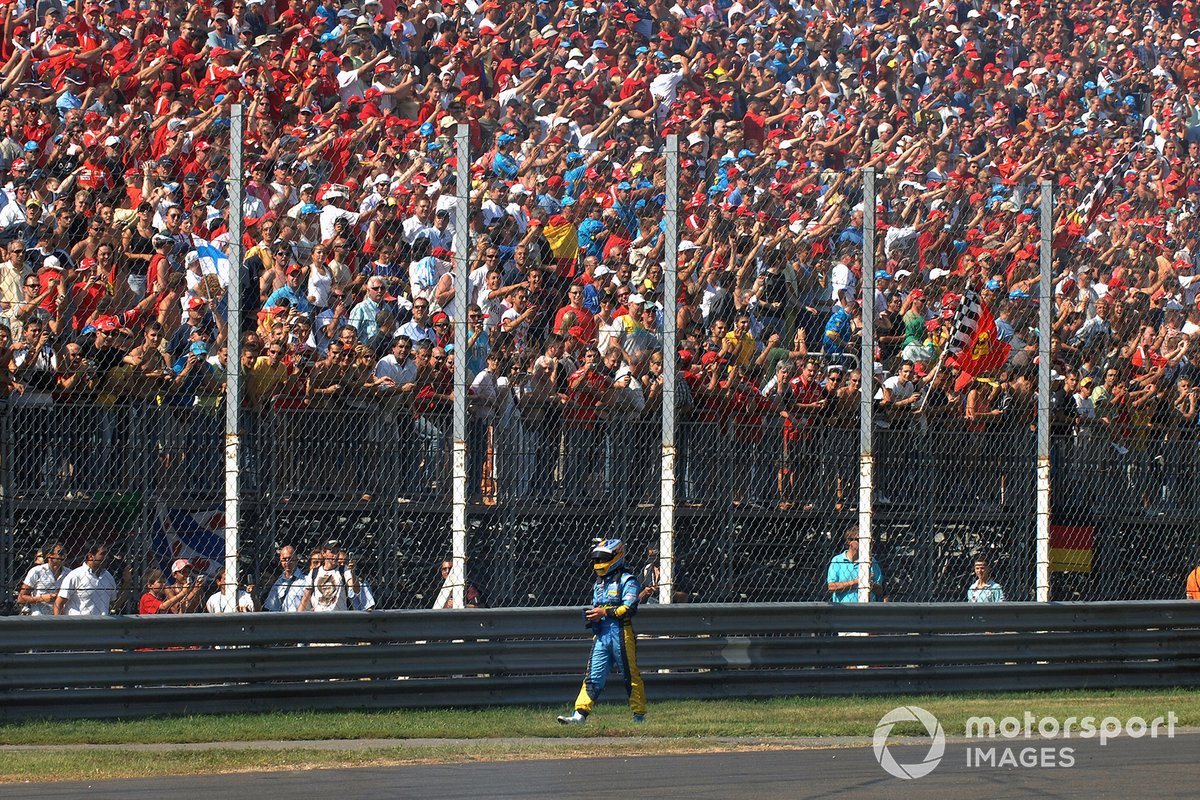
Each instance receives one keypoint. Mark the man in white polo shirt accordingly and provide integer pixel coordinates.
(90, 590)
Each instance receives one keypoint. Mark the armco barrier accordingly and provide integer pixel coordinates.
(130, 666)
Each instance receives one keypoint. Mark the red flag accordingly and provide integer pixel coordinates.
(984, 350)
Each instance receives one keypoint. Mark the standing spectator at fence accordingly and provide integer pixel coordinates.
(41, 584)
(364, 598)
(218, 601)
(983, 589)
(842, 576)
(481, 409)
(287, 592)
(329, 586)
(186, 588)
(90, 590)
(1192, 586)
(445, 595)
(151, 601)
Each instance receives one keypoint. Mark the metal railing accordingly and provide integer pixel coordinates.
(129, 666)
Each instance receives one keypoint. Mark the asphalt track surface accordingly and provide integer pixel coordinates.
(1124, 768)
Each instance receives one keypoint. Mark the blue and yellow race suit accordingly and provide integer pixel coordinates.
(615, 644)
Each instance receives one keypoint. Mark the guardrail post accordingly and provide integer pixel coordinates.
(866, 421)
(666, 522)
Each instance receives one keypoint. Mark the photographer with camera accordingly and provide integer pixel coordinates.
(185, 590)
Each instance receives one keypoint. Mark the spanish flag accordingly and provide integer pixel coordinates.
(562, 239)
(1071, 548)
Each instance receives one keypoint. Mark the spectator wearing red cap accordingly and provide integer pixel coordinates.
(290, 294)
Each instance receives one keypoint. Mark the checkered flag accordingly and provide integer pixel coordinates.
(1089, 209)
(966, 320)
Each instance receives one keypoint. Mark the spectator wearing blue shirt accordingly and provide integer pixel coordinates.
(191, 372)
(842, 575)
(853, 235)
(551, 200)
(623, 208)
(290, 291)
(592, 233)
(839, 329)
(504, 164)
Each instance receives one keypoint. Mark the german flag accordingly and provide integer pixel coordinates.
(1071, 548)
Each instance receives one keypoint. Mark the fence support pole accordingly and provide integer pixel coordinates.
(1045, 311)
(462, 243)
(666, 520)
(866, 454)
(233, 362)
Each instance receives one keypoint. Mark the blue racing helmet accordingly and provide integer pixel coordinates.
(608, 556)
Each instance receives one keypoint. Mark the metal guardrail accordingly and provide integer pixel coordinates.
(129, 666)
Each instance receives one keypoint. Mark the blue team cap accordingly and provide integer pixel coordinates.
(30, 146)
(744, 153)
(882, 275)
(641, 50)
(1017, 295)
(310, 208)
(426, 129)
(714, 190)
(506, 138)
(743, 40)
(433, 146)
(994, 284)
(1089, 85)
(781, 164)
(780, 46)
(571, 157)
(1129, 101)
(727, 159)
(623, 186)
(567, 201)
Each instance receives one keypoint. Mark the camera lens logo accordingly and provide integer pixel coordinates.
(937, 745)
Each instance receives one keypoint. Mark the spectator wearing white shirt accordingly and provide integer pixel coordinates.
(329, 587)
(842, 280)
(42, 582)
(332, 212)
(481, 407)
(288, 590)
(218, 603)
(90, 590)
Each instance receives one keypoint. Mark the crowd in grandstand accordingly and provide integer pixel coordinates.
(114, 219)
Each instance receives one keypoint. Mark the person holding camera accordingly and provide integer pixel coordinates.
(184, 591)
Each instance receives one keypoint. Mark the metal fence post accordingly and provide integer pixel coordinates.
(866, 462)
(666, 519)
(462, 242)
(1045, 312)
(233, 361)
(7, 542)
